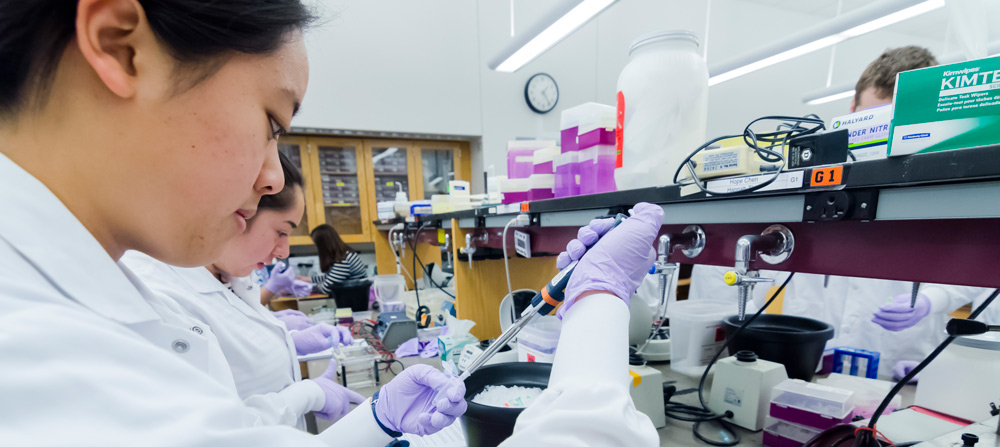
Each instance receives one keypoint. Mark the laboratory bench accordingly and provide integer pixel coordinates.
(675, 433)
(928, 218)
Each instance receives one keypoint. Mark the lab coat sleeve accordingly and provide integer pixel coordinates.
(587, 402)
(357, 429)
(106, 385)
(285, 407)
(946, 298)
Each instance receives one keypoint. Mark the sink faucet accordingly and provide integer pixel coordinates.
(774, 246)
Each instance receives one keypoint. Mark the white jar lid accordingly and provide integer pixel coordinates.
(657, 36)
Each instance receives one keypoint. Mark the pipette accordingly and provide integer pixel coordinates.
(544, 302)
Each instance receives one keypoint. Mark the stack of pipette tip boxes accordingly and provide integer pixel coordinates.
(801, 410)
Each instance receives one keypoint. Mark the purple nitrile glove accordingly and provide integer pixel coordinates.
(294, 320)
(618, 261)
(338, 398)
(407, 403)
(284, 312)
(281, 278)
(902, 368)
(300, 288)
(897, 315)
(319, 337)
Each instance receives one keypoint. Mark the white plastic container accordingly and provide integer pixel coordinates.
(962, 381)
(538, 340)
(696, 333)
(390, 292)
(662, 108)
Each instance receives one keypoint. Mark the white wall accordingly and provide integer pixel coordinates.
(394, 65)
(404, 66)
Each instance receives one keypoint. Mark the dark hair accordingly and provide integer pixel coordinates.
(34, 34)
(286, 198)
(881, 73)
(332, 248)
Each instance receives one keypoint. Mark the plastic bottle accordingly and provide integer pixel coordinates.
(662, 108)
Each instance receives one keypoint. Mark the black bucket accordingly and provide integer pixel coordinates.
(487, 426)
(795, 342)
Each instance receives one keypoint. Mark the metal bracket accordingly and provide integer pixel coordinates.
(698, 245)
(840, 205)
(782, 253)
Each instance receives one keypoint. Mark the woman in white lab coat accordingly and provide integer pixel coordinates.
(587, 402)
(850, 305)
(149, 126)
(259, 349)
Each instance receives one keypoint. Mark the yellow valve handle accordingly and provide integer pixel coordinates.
(731, 278)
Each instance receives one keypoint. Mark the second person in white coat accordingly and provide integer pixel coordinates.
(260, 350)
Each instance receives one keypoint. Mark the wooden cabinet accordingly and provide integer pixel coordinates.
(346, 177)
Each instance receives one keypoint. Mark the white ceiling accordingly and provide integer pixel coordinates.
(932, 25)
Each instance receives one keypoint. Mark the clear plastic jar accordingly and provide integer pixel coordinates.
(662, 108)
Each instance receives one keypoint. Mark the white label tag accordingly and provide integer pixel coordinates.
(522, 243)
(785, 180)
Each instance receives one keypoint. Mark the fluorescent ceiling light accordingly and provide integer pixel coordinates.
(831, 98)
(852, 24)
(562, 23)
(842, 91)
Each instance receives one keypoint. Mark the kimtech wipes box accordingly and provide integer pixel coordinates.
(947, 107)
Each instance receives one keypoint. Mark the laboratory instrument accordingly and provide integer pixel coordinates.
(691, 242)
(544, 302)
(394, 328)
(357, 364)
(774, 245)
(913, 294)
(647, 393)
(964, 378)
(742, 385)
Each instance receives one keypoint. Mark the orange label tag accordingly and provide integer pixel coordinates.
(827, 176)
(524, 207)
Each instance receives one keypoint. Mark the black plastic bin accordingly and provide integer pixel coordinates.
(796, 342)
(487, 426)
(353, 294)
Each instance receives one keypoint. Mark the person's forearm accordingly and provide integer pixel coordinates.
(594, 332)
(266, 295)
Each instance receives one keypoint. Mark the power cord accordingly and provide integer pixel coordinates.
(423, 268)
(866, 437)
(762, 144)
(701, 413)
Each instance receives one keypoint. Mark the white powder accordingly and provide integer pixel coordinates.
(507, 396)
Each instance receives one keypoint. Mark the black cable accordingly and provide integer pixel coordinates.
(691, 413)
(422, 266)
(866, 437)
(753, 141)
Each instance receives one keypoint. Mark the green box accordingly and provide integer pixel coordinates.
(947, 107)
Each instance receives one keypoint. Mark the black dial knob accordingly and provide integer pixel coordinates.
(969, 439)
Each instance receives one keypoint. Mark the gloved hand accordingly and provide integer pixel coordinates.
(902, 368)
(319, 337)
(294, 320)
(618, 261)
(300, 288)
(407, 403)
(281, 278)
(897, 315)
(338, 398)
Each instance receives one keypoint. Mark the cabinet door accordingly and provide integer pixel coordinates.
(340, 193)
(390, 170)
(296, 149)
(437, 161)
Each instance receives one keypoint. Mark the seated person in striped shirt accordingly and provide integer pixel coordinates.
(336, 259)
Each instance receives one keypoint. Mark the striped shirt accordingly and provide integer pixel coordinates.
(351, 268)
